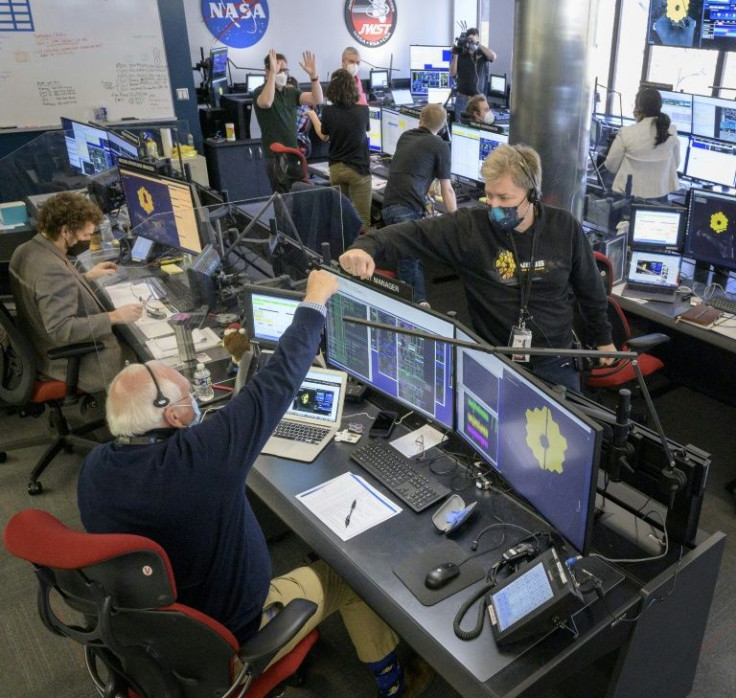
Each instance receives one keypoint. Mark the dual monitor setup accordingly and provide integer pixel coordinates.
(545, 448)
(663, 237)
(162, 209)
(469, 146)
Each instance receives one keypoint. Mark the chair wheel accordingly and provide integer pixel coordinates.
(35, 487)
(3, 456)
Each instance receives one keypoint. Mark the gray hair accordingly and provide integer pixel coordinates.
(130, 409)
(350, 51)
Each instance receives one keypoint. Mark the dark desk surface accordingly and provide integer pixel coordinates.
(474, 668)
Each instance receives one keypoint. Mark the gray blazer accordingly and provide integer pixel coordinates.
(57, 306)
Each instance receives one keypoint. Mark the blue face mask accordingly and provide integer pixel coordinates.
(197, 413)
(506, 218)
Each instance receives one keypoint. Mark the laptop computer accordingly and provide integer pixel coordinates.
(313, 418)
(402, 97)
(653, 276)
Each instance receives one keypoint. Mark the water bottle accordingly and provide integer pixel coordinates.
(190, 140)
(203, 384)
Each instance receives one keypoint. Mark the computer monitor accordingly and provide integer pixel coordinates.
(93, 149)
(497, 85)
(657, 227)
(679, 107)
(378, 80)
(268, 312)
(393, 124)
(253, 81)
(161, 208)
(714, 118)
(218, 62)
(470, 147)
(711, 229)
(374, 131)
(547, 451)
(711, 161)
(424, 57)
(424, 80)
(415, 372)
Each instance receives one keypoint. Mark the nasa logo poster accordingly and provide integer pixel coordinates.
(236, 24)
(371, 22)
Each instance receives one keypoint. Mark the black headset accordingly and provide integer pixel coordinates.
(534, 193)
(160, 400)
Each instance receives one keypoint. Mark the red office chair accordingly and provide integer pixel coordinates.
(623, 371)
(606, 271)
(21, 386)
(130, 625)
(291, 166)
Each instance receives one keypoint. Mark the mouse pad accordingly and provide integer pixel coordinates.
(412, 572)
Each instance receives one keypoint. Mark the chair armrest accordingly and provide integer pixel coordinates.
(265, 644)
(79, 349)
(647, 341)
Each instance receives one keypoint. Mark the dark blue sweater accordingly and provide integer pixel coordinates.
(188, 492)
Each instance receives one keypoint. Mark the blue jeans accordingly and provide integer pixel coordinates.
(409, 270)
(559, 370)
(461, 104)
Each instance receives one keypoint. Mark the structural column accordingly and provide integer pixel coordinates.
(552, 92)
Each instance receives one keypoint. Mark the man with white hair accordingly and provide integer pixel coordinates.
(351, 63)
(180, 482)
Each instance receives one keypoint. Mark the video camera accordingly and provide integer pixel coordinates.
(462, 43)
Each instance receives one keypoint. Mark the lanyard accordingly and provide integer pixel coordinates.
(526, 288)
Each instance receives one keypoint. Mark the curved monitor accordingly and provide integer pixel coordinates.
(545, 450)
(415, 372)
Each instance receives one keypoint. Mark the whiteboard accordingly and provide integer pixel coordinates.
(70, 57)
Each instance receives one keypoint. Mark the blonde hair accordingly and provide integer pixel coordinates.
(520, 161)
(433, 116)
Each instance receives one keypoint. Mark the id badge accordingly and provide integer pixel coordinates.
(521, 338)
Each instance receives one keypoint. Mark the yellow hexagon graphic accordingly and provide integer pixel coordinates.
(545, 440)
(145, 200)
(677, 9)
(719, 222)
(505, 264)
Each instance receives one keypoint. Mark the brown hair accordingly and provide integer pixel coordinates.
(279, 57)
(433, 117)
(342, 89)
(72, 210)
(473, 105)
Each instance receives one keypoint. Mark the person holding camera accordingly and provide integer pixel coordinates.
(467, 67)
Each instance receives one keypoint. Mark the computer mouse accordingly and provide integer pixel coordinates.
(438, 576)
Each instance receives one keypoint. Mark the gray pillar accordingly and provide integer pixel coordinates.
(552, 92)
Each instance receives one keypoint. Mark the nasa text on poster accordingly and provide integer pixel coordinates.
(371, 22)
(236, 24)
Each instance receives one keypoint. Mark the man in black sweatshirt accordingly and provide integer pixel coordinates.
(524, 265)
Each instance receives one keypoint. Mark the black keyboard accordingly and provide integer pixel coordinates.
(174, 291)
(295, 431)
(397, 474)
(722, 303)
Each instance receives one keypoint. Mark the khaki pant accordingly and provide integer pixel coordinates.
(371, 637)
(356, 187)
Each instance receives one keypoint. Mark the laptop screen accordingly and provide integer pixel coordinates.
(318, 397)
(654, 268)
(402, 97)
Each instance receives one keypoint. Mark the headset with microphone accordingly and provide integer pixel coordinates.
(160, 400)
(534, 194)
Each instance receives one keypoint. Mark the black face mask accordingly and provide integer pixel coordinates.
(78, 248)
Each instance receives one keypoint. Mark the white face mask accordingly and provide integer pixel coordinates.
(489, 117)
(281, 79)
(352, 68)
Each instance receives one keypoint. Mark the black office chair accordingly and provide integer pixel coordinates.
(115, 594)
(20, 386)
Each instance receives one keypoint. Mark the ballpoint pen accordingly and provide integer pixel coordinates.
(350, 513)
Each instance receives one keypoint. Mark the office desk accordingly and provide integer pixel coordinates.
(701, 358)
(478, 667)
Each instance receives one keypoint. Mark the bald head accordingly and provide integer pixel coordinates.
(130, 408)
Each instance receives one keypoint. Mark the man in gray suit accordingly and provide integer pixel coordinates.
(55, 302)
